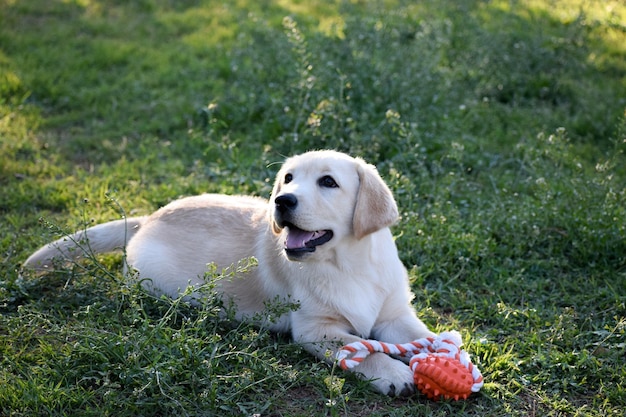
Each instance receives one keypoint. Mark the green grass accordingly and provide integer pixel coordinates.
(500, 126)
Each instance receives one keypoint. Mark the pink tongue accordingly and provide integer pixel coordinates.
(297, 238)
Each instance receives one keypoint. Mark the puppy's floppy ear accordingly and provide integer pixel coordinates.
(375, 206)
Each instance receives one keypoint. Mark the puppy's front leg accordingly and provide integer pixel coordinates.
(386, 375)
(401, 327)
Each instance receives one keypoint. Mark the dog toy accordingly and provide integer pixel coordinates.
(440, 368)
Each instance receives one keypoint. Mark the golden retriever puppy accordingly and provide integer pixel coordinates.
(322, 241)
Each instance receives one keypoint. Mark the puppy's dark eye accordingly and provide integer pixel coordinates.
(288, 178)
(328, 182)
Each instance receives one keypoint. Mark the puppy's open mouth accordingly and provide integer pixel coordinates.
(299, 241)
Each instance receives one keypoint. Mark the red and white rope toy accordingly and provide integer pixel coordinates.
(440, 368)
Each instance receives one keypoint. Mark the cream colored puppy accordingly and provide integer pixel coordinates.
(323, 241)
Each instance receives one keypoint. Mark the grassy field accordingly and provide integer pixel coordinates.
(499, 125)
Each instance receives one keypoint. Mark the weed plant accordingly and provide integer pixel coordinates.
(500, 127)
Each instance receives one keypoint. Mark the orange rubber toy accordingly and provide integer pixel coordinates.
(440, 368)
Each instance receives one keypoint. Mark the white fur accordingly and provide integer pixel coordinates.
(353, 286)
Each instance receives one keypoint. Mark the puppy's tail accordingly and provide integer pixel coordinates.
(106, 237)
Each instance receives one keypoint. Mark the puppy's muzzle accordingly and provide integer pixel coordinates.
(298, 241)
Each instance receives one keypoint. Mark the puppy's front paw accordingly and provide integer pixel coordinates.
(396, 380)
(387, 375)
(407, 390)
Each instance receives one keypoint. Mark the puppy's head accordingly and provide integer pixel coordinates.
(320, 198)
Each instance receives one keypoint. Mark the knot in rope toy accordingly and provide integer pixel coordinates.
(440, 368)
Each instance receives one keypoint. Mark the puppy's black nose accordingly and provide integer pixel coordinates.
(286, 202)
